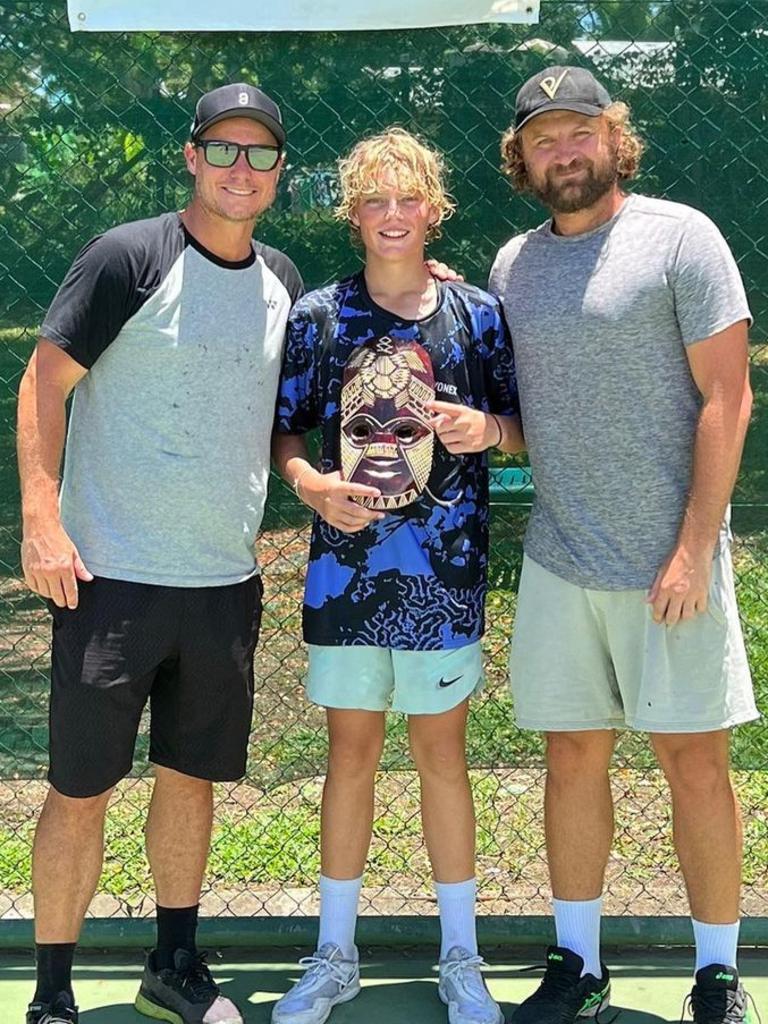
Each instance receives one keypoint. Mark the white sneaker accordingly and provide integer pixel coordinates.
(329, 980)
(462, 989)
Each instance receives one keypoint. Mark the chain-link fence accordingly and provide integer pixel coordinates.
(90, 135)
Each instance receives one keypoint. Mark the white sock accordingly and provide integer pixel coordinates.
(338, 913)
(577, 923)
(456, 903)
(715, 943)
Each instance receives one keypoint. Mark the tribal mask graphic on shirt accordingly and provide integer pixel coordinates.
(387, 438)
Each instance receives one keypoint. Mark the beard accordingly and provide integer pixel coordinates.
(572, 196)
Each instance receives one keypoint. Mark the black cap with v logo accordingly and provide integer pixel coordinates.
(560, 88)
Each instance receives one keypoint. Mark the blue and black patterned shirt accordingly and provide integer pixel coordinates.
(416, 579)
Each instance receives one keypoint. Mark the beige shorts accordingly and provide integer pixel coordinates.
(595, 659)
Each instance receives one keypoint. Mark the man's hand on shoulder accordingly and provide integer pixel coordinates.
(680, 590)
(442, 271)
(52, 564)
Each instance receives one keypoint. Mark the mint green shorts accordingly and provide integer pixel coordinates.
(380, 679)
(595, 659)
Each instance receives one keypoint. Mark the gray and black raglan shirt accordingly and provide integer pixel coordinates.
(600, 324)
(167, 454)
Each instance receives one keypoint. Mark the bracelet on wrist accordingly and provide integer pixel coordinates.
(500, 438)
(299, 477)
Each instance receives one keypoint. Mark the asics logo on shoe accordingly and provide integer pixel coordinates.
(449, 682)
(594, 1000)
(722, 976)
(555, 956)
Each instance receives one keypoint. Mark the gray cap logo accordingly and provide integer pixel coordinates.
(242, 99)
(550, 85)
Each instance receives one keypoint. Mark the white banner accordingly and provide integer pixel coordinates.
(290, 15)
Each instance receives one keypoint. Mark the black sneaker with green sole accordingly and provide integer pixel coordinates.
(718, 997)
(564, 996)
(185, 993)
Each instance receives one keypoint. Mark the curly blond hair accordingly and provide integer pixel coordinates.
(417, 169)
(630, 149)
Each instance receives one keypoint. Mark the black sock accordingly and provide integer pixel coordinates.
(176, 929)
(54, 969)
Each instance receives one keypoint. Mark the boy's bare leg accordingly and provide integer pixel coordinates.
(438, 746)
(356, 740)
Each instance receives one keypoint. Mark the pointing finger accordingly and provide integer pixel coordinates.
(450, 409)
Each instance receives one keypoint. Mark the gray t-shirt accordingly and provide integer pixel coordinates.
(167, 456)
(600, 323)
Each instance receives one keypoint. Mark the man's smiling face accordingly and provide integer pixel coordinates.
(571, 159)
(236, 193)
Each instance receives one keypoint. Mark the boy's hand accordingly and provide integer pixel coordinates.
(462, 429)
(331, 497)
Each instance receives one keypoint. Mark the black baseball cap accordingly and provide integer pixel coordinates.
(237, 100)
(560, 88)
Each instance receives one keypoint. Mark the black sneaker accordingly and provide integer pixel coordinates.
(185, 993)
(718, 997)
(564, 996)
(61, 1010)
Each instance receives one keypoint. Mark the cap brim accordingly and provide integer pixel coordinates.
(255, 115)
(578, 108)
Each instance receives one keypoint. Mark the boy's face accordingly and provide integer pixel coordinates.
(393, 223)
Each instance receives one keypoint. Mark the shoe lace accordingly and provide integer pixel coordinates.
(57, 1018)
(708, 1008)
(466, 971)
(195, 976)
(558, 983)
(317, 965)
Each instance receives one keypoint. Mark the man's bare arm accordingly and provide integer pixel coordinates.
(50, 560)
(720, 368)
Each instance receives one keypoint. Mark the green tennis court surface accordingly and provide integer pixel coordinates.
(401, 986)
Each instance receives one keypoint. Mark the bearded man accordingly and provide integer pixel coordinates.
(629, 322)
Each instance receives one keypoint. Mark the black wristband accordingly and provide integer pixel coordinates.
(495, 419)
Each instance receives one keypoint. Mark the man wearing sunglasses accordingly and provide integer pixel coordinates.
(169, 331)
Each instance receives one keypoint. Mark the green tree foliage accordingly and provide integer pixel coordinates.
(93, 124)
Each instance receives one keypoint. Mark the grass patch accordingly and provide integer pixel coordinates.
(272, 842)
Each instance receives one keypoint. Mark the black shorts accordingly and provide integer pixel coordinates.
(189, 651)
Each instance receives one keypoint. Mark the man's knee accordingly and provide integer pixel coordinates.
(74, 809)
(695, 765)
(571, 755)
(170, 778)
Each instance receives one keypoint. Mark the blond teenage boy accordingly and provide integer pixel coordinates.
(411, 381)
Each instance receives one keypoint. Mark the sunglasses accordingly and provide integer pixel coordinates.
(226, 154)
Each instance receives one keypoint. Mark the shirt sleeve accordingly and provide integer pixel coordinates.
(495, 283)
(93, 302)
(498, 357)
(297, 410)
(708, 290)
